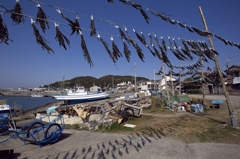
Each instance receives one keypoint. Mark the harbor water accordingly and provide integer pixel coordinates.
(28, 102)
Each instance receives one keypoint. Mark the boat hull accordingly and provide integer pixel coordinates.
(75, 99)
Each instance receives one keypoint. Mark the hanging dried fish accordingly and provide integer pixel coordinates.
(127, 52)
(151, 39)
(16, 14)
(170, 42)
(61, 38)
(42, 19)
(125, 1)
(143, 36)
(187, 53)
(105, 44)
(153, 53)
(165, 58)
(138, 49)
(85, 50)
(176, 54)
(140, 38)
(189, 29)
(199, 32)
(175, 44)
(182, 25)
(145, 15)
(172, 21)
(92, 26)
(165, 18)
(75, 26)
(157, 52)
(3, 32)
(39, 39)
(116, 53)
(220, 38)
(135, 5)
(123, 36)
(164, 44)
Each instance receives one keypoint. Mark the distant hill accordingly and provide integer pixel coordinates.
(88, 81)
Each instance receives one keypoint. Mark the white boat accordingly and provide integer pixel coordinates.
(80, 95)
(37, 95)
(16, 110)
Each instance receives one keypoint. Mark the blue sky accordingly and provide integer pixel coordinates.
(23, 63)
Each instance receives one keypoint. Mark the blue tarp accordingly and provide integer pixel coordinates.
(198, 108)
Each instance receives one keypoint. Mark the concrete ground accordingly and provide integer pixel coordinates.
(139, 145)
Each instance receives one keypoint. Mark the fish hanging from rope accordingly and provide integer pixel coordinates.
(16, 14)
(144, 14)
(140, 38)
(116, 53)
(123, 36)
(138, 49)
(93, 28)
(164, 44)
(3, 32)
(151, 39)
(42, 19)
(75, 26)
(157, 52)
(85, 50)
(127, 52)
(39, 39)
(61, 38)
(143, 37)
(153, 53)
(135, 45)
(105, 44)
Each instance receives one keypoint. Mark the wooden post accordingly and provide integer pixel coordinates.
(173, 93)
(166, 88)
(180, 80)
(203, 82)
(232, 112)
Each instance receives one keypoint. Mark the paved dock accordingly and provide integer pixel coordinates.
(138, 145)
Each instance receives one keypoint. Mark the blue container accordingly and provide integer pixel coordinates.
(51, 109)
(197, 108)
(217, 102)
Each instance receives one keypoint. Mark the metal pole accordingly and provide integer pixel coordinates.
(232, 112)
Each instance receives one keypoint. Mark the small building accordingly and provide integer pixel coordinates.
(95, 89)
(148, 85)
(233, 79)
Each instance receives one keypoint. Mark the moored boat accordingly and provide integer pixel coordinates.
(37, 95)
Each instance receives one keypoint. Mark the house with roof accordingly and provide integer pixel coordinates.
(233, 79)
(212, 84)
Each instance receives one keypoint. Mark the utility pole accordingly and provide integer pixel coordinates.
(166, 86)
(232, 112)
(154, 81)
(203, 82)
(173, 92)
(180, 80)
(227, 60)
(135, 70)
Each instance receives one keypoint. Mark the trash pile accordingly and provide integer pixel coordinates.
(91, 115)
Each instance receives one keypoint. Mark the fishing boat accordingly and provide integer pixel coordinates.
(80, 95)
(37, 95)
(16, 110)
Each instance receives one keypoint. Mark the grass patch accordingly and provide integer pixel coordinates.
(73, 126)
(115, 127)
